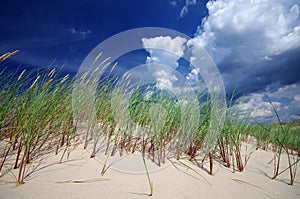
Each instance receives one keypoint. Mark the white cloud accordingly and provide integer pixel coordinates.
(183, 12)
(193, 75)
(165, 79)
(185, 9)
(250, 40)
(176, 45)
(165, 51)
(173, 3)
(287, 91)
(84, 33)
(257, 105)
(250, 28)
(72, 30)
(286, 101)
(297, 98)
(81, 33)
(191, 2)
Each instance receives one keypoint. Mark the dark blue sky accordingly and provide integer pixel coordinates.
(65, 31)
(255, 44)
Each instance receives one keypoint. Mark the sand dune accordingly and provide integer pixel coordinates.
(78, 176)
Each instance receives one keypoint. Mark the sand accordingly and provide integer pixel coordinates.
(78, 176)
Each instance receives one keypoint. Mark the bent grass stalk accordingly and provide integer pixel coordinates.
(282, 136)
(147, 172)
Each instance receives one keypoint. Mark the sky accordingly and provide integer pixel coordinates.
(254, 43)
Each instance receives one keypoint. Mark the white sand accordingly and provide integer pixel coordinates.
(50, 179)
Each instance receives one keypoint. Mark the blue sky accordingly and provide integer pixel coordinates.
(255, 43)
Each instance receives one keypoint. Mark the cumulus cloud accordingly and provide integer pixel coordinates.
(256, 45)
(256, 105)
(247, 38)
(165, 79)
(165, 51)
(193, 75)
(268, 27)
(175, 46)
(286, 101)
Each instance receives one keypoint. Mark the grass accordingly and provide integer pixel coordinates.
(284, 138)
(37, 116)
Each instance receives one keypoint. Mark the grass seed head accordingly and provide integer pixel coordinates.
(20, 76)
(113, 68)
(65, 78)
(51, 73)
(107, 59)
(8, 55)
(35, 81)
(98, 56)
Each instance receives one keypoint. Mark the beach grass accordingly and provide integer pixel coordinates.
(37, 117)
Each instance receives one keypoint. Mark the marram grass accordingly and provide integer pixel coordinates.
(36, 115)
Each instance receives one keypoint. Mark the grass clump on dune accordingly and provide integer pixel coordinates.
(37, 116)
(35, 112)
